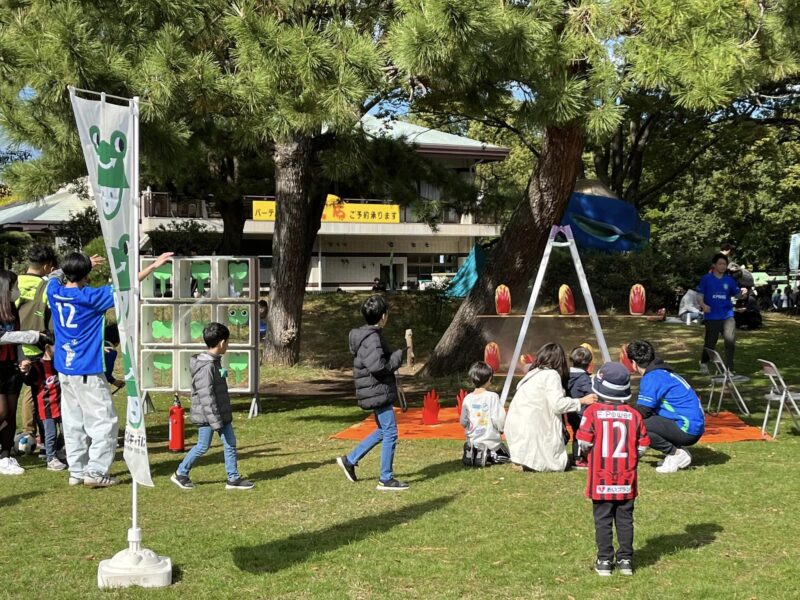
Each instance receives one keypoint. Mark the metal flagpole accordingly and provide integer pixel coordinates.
(135, 534)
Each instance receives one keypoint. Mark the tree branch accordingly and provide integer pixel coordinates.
(680, 170)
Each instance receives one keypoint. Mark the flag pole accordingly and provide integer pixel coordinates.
(135, 534)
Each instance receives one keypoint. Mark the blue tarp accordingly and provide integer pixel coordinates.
(604, 223)
(467, 275)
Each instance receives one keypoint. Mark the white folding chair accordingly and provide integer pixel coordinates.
(779, 393)
(725, 380)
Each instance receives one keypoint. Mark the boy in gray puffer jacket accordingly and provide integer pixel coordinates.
(211, 410)
(374, 365)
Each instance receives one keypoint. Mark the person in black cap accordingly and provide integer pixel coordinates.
(612, 435)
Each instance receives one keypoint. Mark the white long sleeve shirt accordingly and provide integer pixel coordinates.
(483, 417)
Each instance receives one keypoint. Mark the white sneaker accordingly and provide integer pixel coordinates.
(684, 459)
(55, 465)
(704, 369)
(99, 481)
(10, 466)
(75, 480)
(670, 465)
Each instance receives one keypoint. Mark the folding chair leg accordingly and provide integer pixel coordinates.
(710, 397)
(739, 399)
(778, 421)
(721, 396)
(766, 418)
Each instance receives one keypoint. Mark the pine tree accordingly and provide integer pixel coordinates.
(566, 71)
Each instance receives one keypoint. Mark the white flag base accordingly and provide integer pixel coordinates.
(135, 566)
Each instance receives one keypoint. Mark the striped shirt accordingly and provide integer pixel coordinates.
(616, 432)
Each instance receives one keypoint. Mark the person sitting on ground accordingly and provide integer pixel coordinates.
(211, 410)
(747, 314)
(670, 407)
(483, 418)
(378, 285)
(689, 310)
(534, 427)
(579, 385)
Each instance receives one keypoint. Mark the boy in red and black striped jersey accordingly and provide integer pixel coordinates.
(612, 435)
(42, 378)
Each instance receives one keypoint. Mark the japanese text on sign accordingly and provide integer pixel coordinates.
(337, 211)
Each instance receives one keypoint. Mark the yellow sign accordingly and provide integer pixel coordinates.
(337, 211)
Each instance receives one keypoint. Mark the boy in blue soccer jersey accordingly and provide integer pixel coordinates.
(673, 415)
(89, 420)
(716, 292)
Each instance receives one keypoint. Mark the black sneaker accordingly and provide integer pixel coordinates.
(604, 567)
(182, 481)
(349, 469)
(625, 566)
(239, 484)
(391, 486)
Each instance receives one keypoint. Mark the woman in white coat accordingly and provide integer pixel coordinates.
(534, 428)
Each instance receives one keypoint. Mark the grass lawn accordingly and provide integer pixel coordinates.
(726, 528)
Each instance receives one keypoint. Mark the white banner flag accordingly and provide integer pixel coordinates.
(794, 252)
(109, 135)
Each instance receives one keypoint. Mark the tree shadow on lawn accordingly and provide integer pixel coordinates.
(289, 469)
(214, 455)
(696, 535)
(298, 548)
(436, 470)
(17, 498)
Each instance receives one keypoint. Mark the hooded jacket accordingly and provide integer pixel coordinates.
(664, 393)
(374, 365)
(211, 404)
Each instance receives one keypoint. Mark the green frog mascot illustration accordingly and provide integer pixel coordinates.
(111, 178)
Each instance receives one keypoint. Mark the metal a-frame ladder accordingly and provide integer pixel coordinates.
(537, 286)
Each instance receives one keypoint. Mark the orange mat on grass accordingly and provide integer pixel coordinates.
(724, 427)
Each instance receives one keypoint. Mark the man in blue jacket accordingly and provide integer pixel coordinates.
(670, 407)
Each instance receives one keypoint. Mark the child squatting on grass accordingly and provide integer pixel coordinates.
(483, 418)
(613, 437)
(374, 366)
(211, 410)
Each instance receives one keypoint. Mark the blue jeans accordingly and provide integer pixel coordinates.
(386, 433)
(204, 436)
(52, 441)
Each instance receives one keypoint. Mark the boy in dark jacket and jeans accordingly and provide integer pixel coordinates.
(376, 389)
(211, 410)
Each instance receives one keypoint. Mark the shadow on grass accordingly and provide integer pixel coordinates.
(289, 469)
(701, 457)
(295, 549)
(214, 455)
(695, 536)
(350, 419)
(17, 498)
(436, 470)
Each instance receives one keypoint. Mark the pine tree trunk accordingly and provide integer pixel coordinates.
(513, 261)
(233, 220)
(298, 214)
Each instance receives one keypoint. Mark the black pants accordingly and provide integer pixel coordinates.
(574, 420)
(606, 514)
(665, 435)
(750, 319)
(713, 330)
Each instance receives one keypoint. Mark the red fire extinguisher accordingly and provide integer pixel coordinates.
(176, 413)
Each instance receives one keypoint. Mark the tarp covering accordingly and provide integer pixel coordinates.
(468, 274)
(601, 221)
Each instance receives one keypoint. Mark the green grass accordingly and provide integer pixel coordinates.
(725, 528)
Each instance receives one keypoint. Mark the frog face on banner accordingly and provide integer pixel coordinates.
(111, 176)
(134, 405)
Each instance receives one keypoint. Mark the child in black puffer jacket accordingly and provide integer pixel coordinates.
(374, 365)
(580, 385)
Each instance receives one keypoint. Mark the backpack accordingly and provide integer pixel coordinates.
(34, 315)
